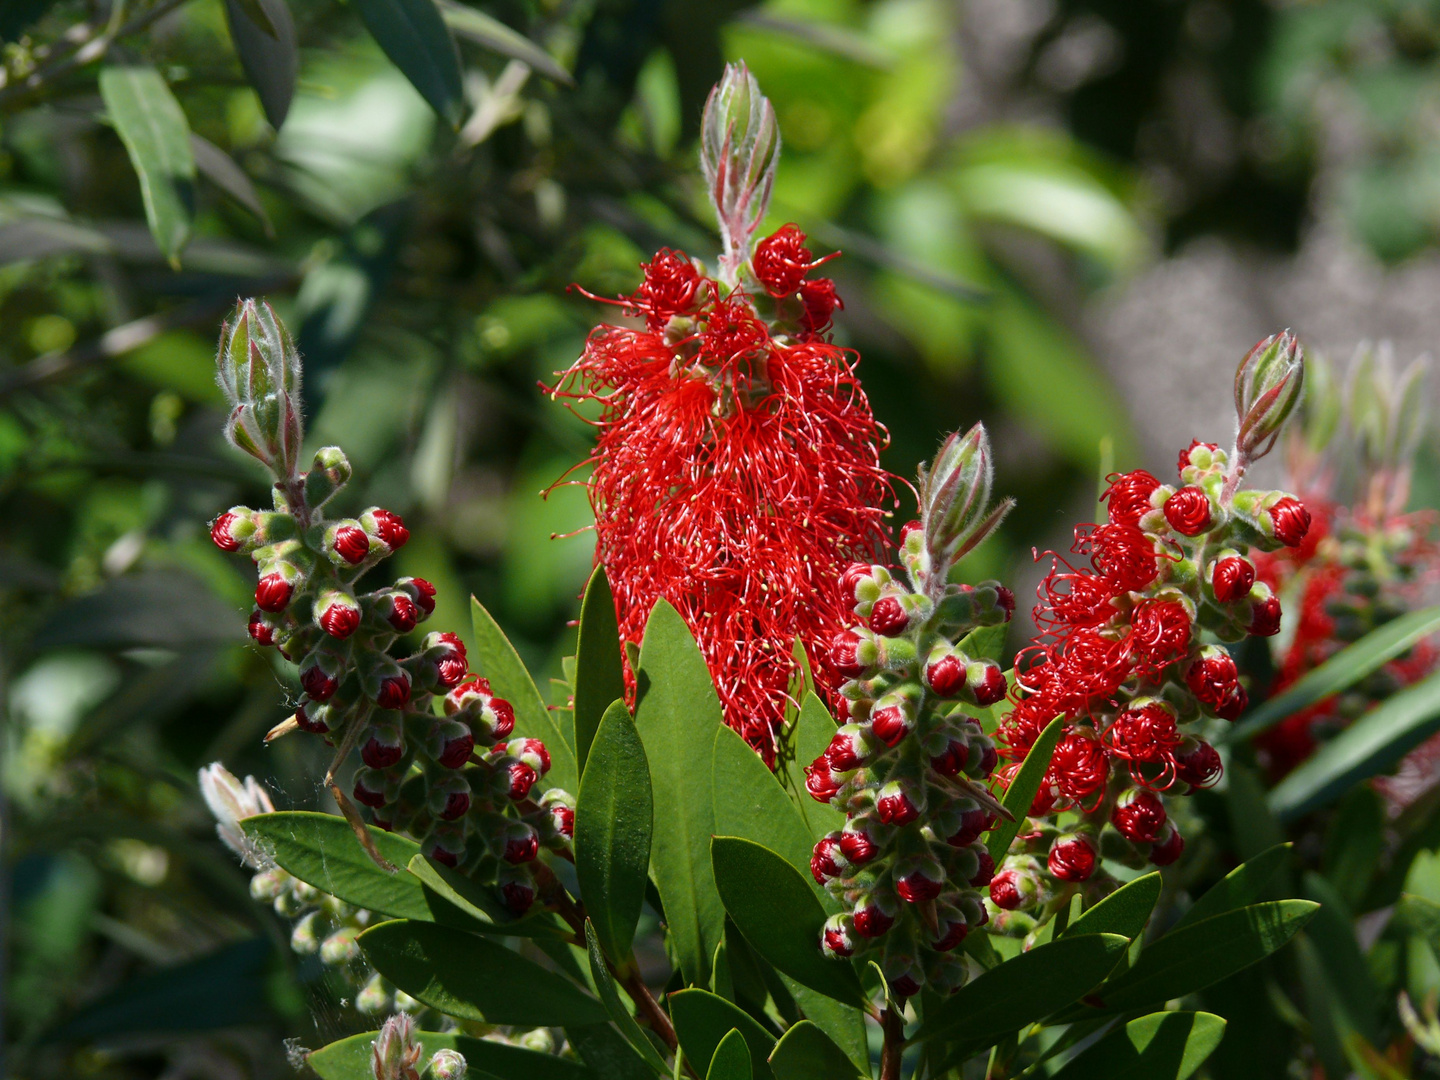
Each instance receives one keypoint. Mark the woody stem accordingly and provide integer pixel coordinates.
(894, 1028)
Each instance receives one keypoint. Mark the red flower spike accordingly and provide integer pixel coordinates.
(1168, 848)
(1290, 520)
(1188, 511)
(391, 529)
(888, 617)
(220, 532)
(1139, 816)
(1072, 858)
(1265, 617)
(273, 593)
(351, 544)
(394, 692)
(1232, 579)
(1128, 496)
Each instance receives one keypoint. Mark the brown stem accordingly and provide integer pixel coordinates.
(648, 1007)
(894, 1027)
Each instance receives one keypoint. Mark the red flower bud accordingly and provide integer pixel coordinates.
(369, 788)
(394, 692)
(1188, 511)
(351, 544)
(424, 593)
(532, 752)
(837, 939)
(1072, 858)
(1213, 678)
(1233, 705)
(273, 593)
(260, 629)
(919, 879)
(1005, 891)
(951, 934)
(844, 654)
(888, 616)
(391, 529)
(457, 805)
(521, 778)
(986, 874)
(1139, 816)
(781, 261)
(820, 782)
(1194, 445)
(1168, 848)
(849, 749)
(1232, 579)
(857, 847)
(825, 859)
(1199, 767)
(312, 719)
(1290, 521)
(384, 748)
(871, 918)
(455, 744)
(987, 683)
(891, 724)
(972, 824)
(1265, 617)
(220, 532)
(989, 758)
(671, 282)
(952, 760)
(851, 578)
(562, 817)
(403, 616)
(946, 675)
(522, 844)
(318, 683)
(1006, 601)
(504, 717)
(821, 302)
(339, 619)
(1129, 496)
(895, 806)
(519, 895)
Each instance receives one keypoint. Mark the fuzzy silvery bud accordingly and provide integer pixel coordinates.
(448, 1065)
(1268, 386)
(259, 371)
(231, 801)
(954, 504)
(373, 997)
(739, 153)
(396, 1052)
(340, 947)
(328, 474)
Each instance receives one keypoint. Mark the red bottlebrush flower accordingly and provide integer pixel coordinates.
(1290, 520)
(821, 302)
(394, 692)
(1168, 848)
(895, 805)
(1232, 579)
(736, 491)
(857, 846)
(1129, 496)
(1265, 617)
(520, 778)
(273, 593)
(1093, 665)
(1143, 734)
(990, 687)
(1199, 767)
(1072, 858)
(1188, 511)
(340, 620)
(1213, 678)
(670, 288)
(1139, 816)
(782, 260)
(424, 594)
(1077, 598)
(825, 860)
(946, 675)
(391, 529)
(888, 617)
(403, 615)
(986, 874)
(1185, 454)
(1079, 767)
(820, 782)
(220, 532)
(1124, 555)
(1160, 629)
(351, 544)
(260, 629)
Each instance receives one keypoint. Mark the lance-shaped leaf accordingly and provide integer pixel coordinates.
(599, 674)
(1021, 794)
(473, 25)
(220, 169)
(1124, 912)
(1240, 887)
(156, 135)
(414, 36)
(731, 1060)
(610, 997)
(1161, 1046)
(268, 52)
(805, 1052)
(702, 1020)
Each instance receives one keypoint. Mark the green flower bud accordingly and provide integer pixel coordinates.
(739, 153)
(954, 505)
(1268, 386)
(259, 371)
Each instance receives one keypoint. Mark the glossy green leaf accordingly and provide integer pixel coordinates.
(1240, 887)
(610, 998)
(271, 61)
(1021, 793)
(1124, 912)
(414, 36)
(476, 901)
(1195, 956)
(156, 135)
(1368, 747)
(599, 673)
(473, 978)
(805, 1052)
(987, 642)
(814, 728)
(677, 715)
(843, 1024)
(1022, 990)
(471, 24)
(497, 660)
(1344, 669)
(350, 1059)
(703, 1019)
(613, 823)
(779, 916)
(750, 803)
(731, 1060)
(605, 1051)
(1161, 1046)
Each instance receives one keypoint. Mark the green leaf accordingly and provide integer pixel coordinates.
(731, 1060)
(1021, 991)
(814, 728)
(610, 998)
(498, 661)
(1369, 746)
(480, 904)
(807, 1053)
(1161, 1046)
(602, 1048)
(152, 126)
(613, 822)
(599, 674)
(469, 977)
(677, 714)
(1193, 957)
(220, 169)
(1021, 793)
(1240, 887)
(1333, 932)
(472, 25)
(750, 803)
(1124, 912)
(703, 1019)
(414, 36)
(843, 1024)
(987, 642)
(271, 61)
(1344, 669)
(350, 1059)
(1419, 916)
(779, 916)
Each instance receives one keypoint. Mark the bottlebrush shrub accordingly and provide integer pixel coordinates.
(770, 971)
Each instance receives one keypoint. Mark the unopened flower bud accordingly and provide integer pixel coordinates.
(397, 609)
(1072, 857)
(274, 590)
(950, 761)
(820, 780)
(856, 843)
(918, 878)
(1268, 385)
(1289, 521)
(903, 975)
(874, 914)
(449, 797)
(985, 872)
(986, 682)
(897, 803)
(421, 591)
(314, 717)
(520, 844)
(446, 846)
(827, 860)
(739, 153)
(387, 527)
(337, 613)
(561, 809)
(850, 654)
(950, 932)
(1265, 615)
(1199, 766)
(329, 472)
(850, 748)
(396, 1051)
(346, 543)
(383, 745)
(370, 788)
(320, 674)
(259, 371)
(837, 937)
(518, 889)
(892, 719)
(340, 947)
(386, 684)
(1200, 456)
(233, 528)
(1213, 677)
(1139, 816)
(1168, 848)
(1188, 511)
(261, 629)
(448, 1065)
(373, 997)
(861, 582)
(517, 779)
(968, 824)
(451, 744)
(532, 752)
(954, 502)
(945, 670)
(1232, 578)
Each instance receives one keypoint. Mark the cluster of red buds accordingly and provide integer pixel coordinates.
(736, 472)
(1132, 654)
(455, 781)
(908, 767)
